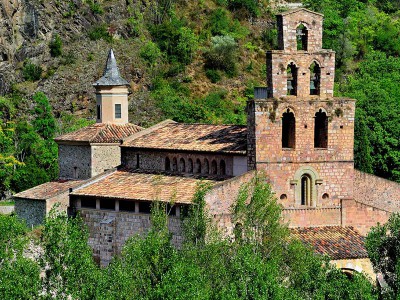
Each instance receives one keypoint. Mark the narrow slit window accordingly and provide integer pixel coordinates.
(321, 130)
(306, 190)
(288, 129)
(98, 112)
(118, 111)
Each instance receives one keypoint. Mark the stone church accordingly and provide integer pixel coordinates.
(297, 133)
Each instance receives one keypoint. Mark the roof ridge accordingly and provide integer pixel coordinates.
(147, 130)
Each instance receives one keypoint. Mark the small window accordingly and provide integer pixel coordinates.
(76, 173)
(190, 165)
(171, 210)
(321, 130)
(98, 112)
(222, 167)
(88, 203)
(214, 167)
(107, 204)
(306, 192)
(167, 164)
(302, 37)
(288, 129)
(145, 207)
(126, 206)
(118, 111)
(182, 165)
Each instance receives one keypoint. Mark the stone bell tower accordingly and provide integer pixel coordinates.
(298, 133)
(111, 94)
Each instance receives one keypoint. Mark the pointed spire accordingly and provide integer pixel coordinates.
(111, 74)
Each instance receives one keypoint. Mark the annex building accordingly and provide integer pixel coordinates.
(297, 133)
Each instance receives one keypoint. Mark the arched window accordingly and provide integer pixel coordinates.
(288, 129)
(181, 165)
(214, 167)
(167, 164)
(222, 167)
(302, 37)
(306, 192)
(321, 130)
(190, 165)
(315, 79)
(197, 166)
(291, 79)
(174, 165)
(206, 168)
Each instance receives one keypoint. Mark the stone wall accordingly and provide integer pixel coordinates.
(362, 216)
(152, 160)
(376, 191)
(33, 211)
(74, 161)
(312, 217)
(7, 209)
(109, 230)
(331, 167)
(105, 157)
(221, 197)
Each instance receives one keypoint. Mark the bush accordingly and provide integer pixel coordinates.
(56, 46)
(96, 8)
(150, 52)
(31, 72)
(213, 75)
(222, 54)
(100, 32)
(219, 22)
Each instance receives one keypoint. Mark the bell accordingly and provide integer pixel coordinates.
(289, 85)
(312, 85)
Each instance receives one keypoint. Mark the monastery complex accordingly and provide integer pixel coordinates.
(298, 134)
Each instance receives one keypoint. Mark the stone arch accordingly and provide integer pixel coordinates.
(206, 168)
(291, 81)
(214, 167)
(167, 164)
(222, 167)
(312, 175)
(181, 166)
(190, 165)
(174, 165)
(197, 167)
(302, 37)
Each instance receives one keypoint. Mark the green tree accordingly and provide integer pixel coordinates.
(222, 54)
(44, 122)
(383, 245)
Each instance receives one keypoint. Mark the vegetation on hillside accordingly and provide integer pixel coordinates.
(261, 262)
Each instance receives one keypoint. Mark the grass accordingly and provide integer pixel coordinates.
(7, 203)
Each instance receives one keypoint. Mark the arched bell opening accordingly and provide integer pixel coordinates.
(315, 79)
(321, 130)
(291, 79)
(302, 38)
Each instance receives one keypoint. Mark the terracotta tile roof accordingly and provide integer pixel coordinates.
(193, 137)
(336, 241)
(100, 133)
(128, 185)
(48, 190)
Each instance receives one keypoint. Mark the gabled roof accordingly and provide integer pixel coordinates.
(336, 241)
(48, 190)
(131, 185)
(111, 74)
(169, 135)
(100, 133)
(297, 10)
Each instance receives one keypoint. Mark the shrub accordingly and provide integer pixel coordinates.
(219, 22)
(96, 8)
(150, 52)
(222, 54)
(213, 75)
(56, 46)
(100, 32)
(31, 72)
